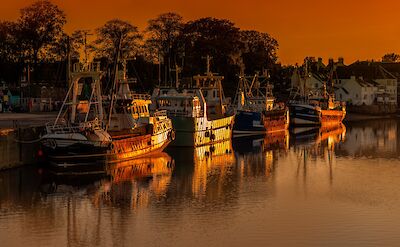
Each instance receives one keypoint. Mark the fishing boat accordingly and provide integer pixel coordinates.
(198, 112)
(315, 108)
(256, 112)
(135, 131)
(127, 131)
(79, 127)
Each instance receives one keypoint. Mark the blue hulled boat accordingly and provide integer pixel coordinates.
(256, 112)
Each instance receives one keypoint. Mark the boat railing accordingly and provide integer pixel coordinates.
(183, 113)
(140, 96)
(160, 113)
(63, 128)
(88, 67)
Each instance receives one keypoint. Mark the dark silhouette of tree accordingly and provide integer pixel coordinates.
(259, 50)
(67, 44)
(40, 25)
(391, 58)
(164, 39)
(117, 37)
(7, 41)
(218, 38)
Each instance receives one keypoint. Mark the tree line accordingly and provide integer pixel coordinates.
(168, 42)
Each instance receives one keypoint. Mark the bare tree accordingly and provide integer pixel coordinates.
(117, 38)
(259, 50)
(40, 25)
(164, 39)
(391, 58)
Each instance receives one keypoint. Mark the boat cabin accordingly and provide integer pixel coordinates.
(185, 104)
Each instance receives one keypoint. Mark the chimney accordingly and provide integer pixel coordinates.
(341, 61)
(320, 65)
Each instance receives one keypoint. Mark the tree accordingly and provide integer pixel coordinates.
(117, 37)
(40, 25)
(164, 38)
(7, 41)
(391, 58)
(65, 44)
(218, 38)
(259, 50)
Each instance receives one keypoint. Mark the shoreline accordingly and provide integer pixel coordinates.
(8, 121)
(12, 120)
(354, 117)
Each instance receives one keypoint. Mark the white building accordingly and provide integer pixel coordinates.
(386, 82)
(356, 91)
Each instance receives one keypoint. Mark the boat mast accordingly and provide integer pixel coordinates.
(210, 75)
(114, 87)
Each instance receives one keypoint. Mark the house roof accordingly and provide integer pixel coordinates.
(345, 90)
(370, 70)
(393, 68)
(320, 76)
(343, 72)
(366, 83)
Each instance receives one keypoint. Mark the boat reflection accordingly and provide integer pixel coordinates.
(257, 156)
(212, 164)
(326, 135)
(317, 146)
(133, 183)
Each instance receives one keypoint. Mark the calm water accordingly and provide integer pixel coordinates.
(331, 187)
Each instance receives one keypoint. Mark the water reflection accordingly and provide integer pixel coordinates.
(14, 153)
(213, 166)
(257, 156)
(309, 186)
(133, 183)
(318, 141)
(372, 139)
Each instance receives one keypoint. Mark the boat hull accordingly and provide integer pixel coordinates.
(256, 123)
(332, 116)
(194, 132)
(309, 115)
(304, 115)
(83, 156)
(248, 123)
(131, 147)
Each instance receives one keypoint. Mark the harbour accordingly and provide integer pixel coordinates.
(198, 124)
(266, 193)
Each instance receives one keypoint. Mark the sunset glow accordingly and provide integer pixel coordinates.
(356, 30)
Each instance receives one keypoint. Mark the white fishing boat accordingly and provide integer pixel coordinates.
(79, 128)
(198, 112)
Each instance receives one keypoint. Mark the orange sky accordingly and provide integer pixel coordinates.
(354, 29)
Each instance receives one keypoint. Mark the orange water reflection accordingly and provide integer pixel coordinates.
(133, 183)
